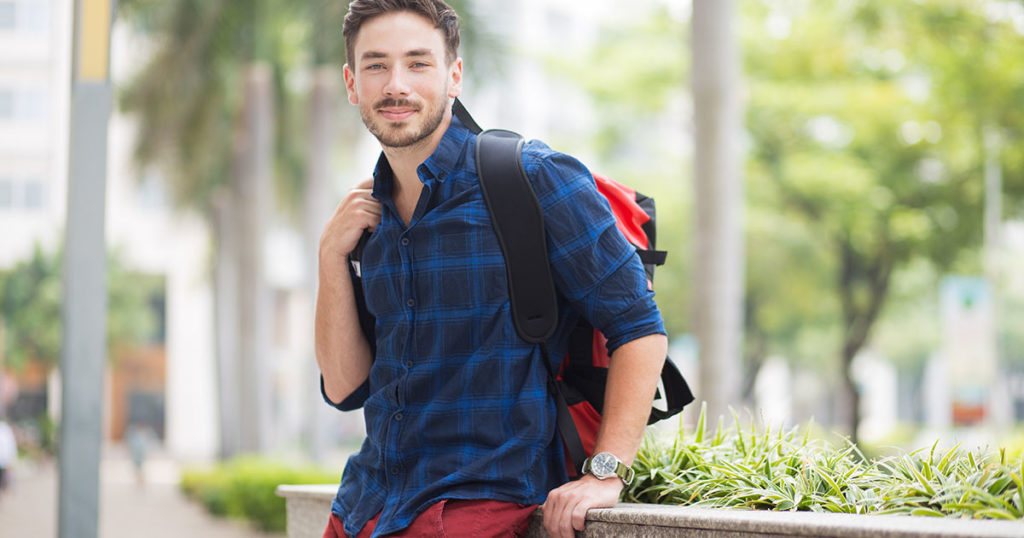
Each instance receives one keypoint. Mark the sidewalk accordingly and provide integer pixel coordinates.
(155, 509)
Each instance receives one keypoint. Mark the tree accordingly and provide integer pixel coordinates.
(30, 299)
(854, 128)
(865, 123)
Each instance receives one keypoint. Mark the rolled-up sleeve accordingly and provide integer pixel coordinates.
(595, 268)
(352, 401)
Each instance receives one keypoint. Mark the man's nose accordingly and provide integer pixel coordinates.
(396, 84)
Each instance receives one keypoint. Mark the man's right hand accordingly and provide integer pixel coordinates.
(358, 211)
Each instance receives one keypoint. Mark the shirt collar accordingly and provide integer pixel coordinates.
(445, 158)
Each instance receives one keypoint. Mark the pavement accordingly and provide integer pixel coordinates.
(154, 508)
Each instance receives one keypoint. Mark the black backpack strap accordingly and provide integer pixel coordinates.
(566, 425)
(459, 111)
(366, 320)
(652, 257)
(519, 224)
(677, 393)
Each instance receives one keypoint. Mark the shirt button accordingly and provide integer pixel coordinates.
(398, 416)
(405, 241)
(410, 303)
(394, 470)
(408, 364)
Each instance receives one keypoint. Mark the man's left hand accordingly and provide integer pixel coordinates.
(566, 507)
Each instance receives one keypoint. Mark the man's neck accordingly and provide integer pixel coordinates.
(405, 161)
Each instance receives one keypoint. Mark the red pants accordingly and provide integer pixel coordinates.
(454, 518)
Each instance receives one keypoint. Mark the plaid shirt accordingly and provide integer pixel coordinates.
(457, 405)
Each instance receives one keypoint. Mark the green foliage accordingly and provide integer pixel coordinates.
(30, 308)
(245, 488)
(785, 470)
(865, 139)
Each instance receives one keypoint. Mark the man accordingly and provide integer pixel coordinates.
(461, 435)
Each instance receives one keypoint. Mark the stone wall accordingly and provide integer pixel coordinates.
(309, 506)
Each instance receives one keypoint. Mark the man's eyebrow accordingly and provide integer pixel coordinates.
(414, 53)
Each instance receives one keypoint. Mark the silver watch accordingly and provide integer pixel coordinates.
(607, 465)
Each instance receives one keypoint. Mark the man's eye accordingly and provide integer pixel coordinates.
(375, 67)
(420, 65)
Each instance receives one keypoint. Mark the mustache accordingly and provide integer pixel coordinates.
(387, 103)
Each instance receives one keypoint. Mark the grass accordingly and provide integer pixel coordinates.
(785, 470)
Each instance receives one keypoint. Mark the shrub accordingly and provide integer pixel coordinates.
(245, 488)
(784, 471)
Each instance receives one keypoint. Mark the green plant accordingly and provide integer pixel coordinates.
(245, 488)
(783, 470)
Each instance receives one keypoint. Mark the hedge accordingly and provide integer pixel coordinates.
(245, 488)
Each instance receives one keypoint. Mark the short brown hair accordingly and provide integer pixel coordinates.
(436, 11)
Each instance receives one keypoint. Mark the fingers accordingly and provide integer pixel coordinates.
(557, 514)
(358, 211)
(578, 517)
(565, 510)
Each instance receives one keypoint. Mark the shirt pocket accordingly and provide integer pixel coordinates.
(471, 268)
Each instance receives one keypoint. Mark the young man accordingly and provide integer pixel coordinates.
(461, 435)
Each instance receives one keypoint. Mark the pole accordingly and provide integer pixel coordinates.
(83, 348)
(718, 189)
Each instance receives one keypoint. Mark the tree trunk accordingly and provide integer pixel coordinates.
(718, 256)
(317, 207)
(226, 326)
(873, 277)
(252, 191)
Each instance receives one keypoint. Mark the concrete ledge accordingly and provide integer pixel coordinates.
(309, 508)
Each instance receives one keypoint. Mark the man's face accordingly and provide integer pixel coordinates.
(400, 79)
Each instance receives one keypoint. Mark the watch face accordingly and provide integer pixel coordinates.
(603, 464)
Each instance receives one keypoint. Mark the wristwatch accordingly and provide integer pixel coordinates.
(607, 465)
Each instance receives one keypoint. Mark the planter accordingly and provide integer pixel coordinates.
(308, 508)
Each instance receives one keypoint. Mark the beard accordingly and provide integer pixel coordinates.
(402, 134)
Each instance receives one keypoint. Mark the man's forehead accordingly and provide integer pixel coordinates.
(398, 34)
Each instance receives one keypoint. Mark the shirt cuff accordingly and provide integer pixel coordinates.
(353, 401)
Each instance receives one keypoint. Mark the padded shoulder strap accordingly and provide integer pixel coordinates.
(519, 224)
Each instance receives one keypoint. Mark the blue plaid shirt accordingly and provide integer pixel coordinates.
(457, 405)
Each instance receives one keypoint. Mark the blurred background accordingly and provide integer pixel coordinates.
(876, 167)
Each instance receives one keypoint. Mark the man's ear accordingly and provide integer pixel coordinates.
(350, 84)
(455, 78)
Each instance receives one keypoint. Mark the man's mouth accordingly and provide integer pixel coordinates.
(397, 113)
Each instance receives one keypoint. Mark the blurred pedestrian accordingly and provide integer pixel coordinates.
(8, 454)
(138, 444)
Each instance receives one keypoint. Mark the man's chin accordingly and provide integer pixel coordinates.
(398, 140)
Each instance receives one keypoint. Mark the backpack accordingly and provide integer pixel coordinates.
(578, 386)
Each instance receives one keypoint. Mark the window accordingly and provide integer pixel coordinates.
(35, 195)
(22, 193)
(6, 193)
(28, 15)
(23, 104)
(6, 103)
(33, 15)
(6, 15)
(30, 105)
